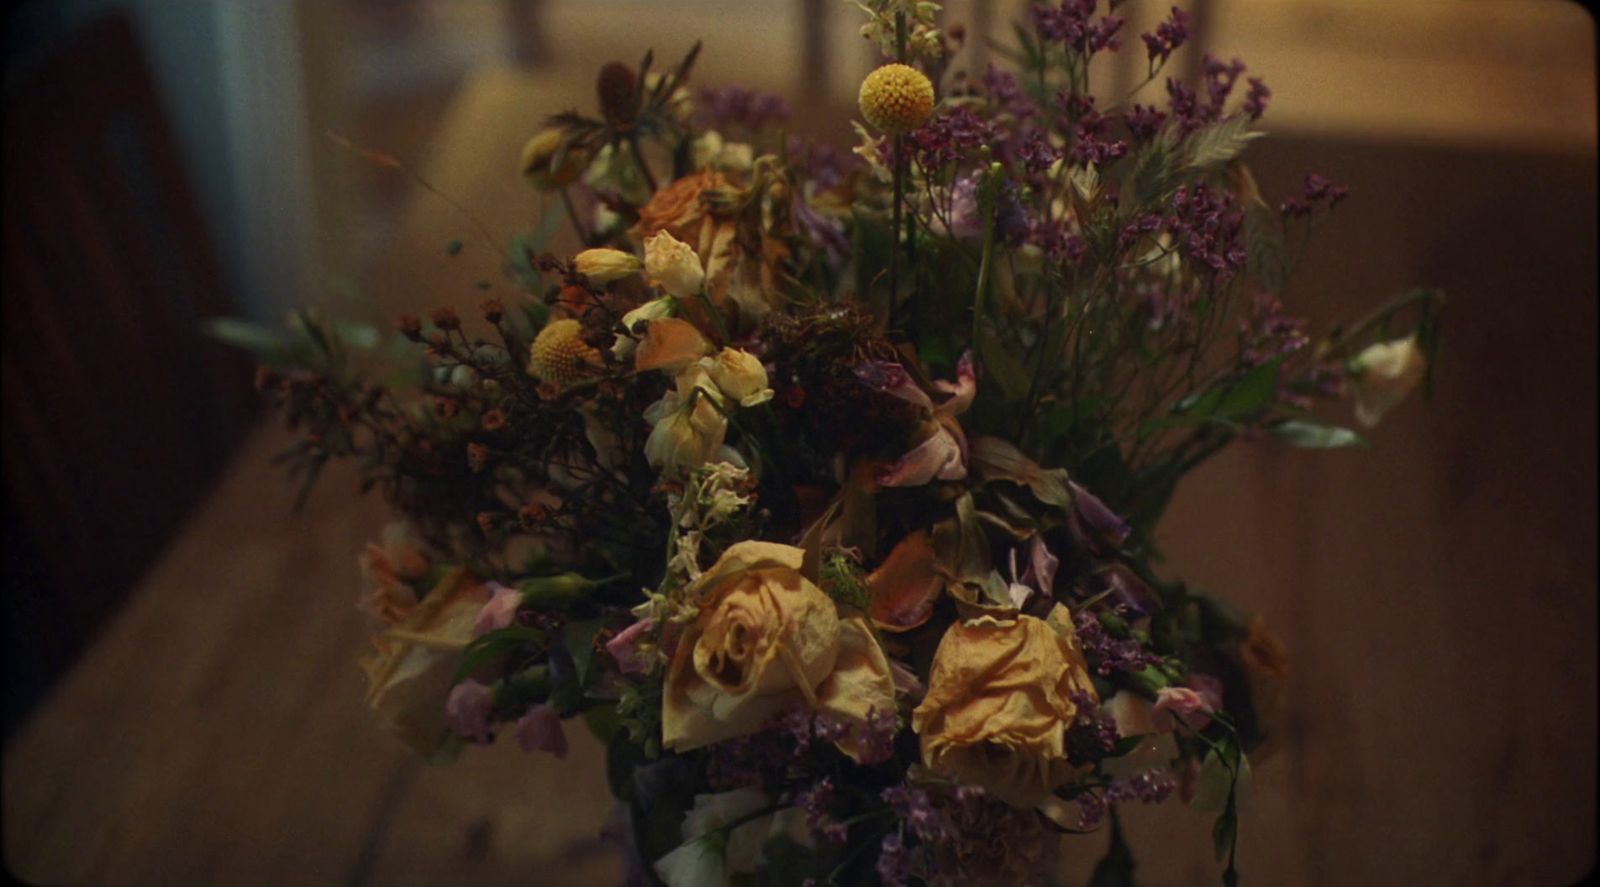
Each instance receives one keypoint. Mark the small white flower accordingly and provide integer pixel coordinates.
(1382, 376)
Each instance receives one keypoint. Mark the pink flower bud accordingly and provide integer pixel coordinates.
(540, 730)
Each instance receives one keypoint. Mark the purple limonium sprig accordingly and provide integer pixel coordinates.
(816, 801)
(895, 861)
(1318, 190)
(1167, 37)
(916, 810)
(1073, 25)
(720, 106)
(952, 136)
(1093, 733)
(1271, 333)
(1107, 654)
(1209, 225)
(1255, 101)
(1220, 77)
(1149, 787)
(1005, 94)
(1143, 122)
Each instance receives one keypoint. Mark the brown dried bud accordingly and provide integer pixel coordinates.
(794, 397)
(486, 522)
(477, 456)
(267, 379)
(619, 93)
(438, 339)
(494, 420)
(409, 326)
(532, 515)
(493, 310)
(445, 408)
(445, 318)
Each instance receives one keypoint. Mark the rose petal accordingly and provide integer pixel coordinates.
(670, 344)
(905, 585)
(962, 390)
(893, 380)
(938, 456)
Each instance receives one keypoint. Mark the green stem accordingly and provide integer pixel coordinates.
(985, 264)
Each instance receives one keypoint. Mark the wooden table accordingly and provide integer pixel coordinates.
(1438, 595)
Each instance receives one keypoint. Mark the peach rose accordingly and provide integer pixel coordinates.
(676, 208)
(998, 704)
(766, 637)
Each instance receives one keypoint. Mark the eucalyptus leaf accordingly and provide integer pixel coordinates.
(1220, 142)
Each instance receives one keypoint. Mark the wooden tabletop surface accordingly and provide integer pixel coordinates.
(1437, 594)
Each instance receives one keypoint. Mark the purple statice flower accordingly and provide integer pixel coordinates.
(829, 727)
(1168, 36)
(1270, 333)
(1143, 122)
(1318, 190)
(952, 136)
(1090, 144)
(1184, 107)
(815, 801)
(1036, 153)
(824, 163)
(1107, 654)
(916, 810)
(895, 861)
(1073, 25)
(1208, 224)
(1060, 244)
(875, 738)
(1255, 101)
(1149, 787)
(752, 761)
(966, 213)
(1093, 733)
(1139, 227)
(1005, 94)
(721, 106)
(466, 711)
(1219, 78)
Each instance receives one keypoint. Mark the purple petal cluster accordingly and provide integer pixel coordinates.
(1209, 225)
(1318, 191)
(1143, 122)
(1092, 734)
(1005, 94)
(1091, 143)
(1149, 787)
(917, 811)
(821, 162)
(1270, 332)
(815, 801)
(1255, 100)
(1167, 37)
(725, 105)
(1107, 654)
(1058, 242)
(952, 136)
(1073, 25)
(896, 863)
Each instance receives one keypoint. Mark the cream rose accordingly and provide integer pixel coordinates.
(766, 637)
(603, 265)
(740, 376)
(673, 265)
(998, 704)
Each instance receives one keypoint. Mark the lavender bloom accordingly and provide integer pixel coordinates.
(1036, 153)
(1005, 95)
(1168, 36)
(1058, 242)
(467, 709)
(1107, 654)
(916, 810)
(815, 801)
(1090, 145)
(1150, 787)
(720, 106)
(894, 861)
(1185, 107)
(1209, 225)
(1093, 733)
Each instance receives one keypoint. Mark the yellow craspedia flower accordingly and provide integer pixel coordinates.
(559, 354)
(896, 98)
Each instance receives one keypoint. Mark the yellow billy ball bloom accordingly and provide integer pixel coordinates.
(559, 354)
(896, 98)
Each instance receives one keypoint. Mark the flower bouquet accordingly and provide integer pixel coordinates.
(821, 485)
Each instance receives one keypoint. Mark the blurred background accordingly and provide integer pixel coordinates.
(182, 703)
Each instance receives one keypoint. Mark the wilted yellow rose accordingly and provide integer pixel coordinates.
(1383, 374)
(673, 265)
(766, 637)
(603, 265)
(409, 676)
(999, 702)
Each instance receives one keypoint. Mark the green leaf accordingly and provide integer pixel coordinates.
(579, 638)
(1115, 869)
(622, 759)
(1219, 142)
(1224, 832)
(1315, 435)
(494, 645)
(1003, 365)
